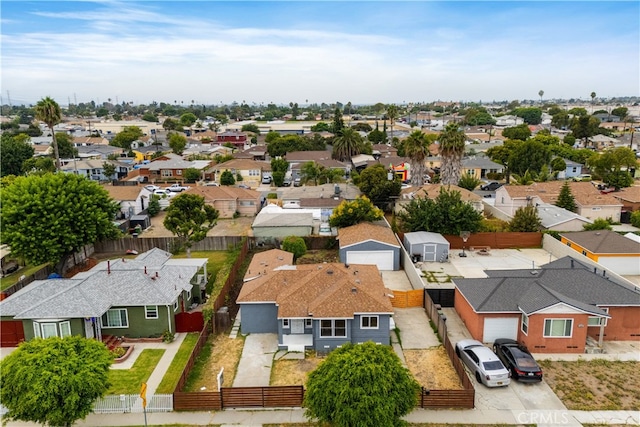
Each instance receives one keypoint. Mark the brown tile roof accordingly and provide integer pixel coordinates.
(224, 193)
(604, 242)
(242, 164)
(366, 231)
(321, 290)
(320, 203)
(584, 193)
(90, 140)
(267, 261)
(629, 194)
(431, 191)
(123, 192)
(306, 156)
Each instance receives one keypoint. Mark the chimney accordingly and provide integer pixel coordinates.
(571, 262)
(145, 269)
(108, 267)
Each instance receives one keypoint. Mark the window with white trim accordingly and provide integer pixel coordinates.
(166, 172)
(175, 306)
(65, 329)
(178, 171)
(151, 312)
(524, 324)
(333, 328)
(115, 318)
(285, 323)
(49, 330)
(598, 321)
(368, 322)
(558, 328)
(308, 323)
(36, 330)
(189, 295)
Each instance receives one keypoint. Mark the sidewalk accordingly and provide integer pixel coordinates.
(258, 417)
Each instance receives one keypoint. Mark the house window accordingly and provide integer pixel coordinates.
(598, 321)
(36, 330)
(179, 172)
(65, 329)
(115, 318)
(368, 322)
(166, 172)
(558, 327)
(150, 311)
(574, 169)
(285, 323)
(189, 295)
(596, 209)
(175, 306)
(524, 325)
(333, 328)
(49, 330)
(308, 323)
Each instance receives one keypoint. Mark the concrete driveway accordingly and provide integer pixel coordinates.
(415, 331)
(254, 369)
(516, 396)
(397, 280)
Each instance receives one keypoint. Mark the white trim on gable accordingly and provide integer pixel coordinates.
(563, 308)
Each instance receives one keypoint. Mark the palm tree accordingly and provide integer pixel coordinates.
(451, 142)
(48, 111)
(392, 112)
(348, 143)
(540, 93)
(416, 147)
(593, 98)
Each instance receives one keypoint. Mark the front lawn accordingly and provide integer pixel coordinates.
(128, 381)
(220, 351)
(172, 376)
(594, 385)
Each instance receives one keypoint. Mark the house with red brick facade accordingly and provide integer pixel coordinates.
(552, 309)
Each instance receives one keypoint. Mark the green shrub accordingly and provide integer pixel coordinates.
(635, 219)
(295, 245)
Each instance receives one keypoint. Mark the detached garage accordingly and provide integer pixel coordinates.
(367, 243)
(426, 246)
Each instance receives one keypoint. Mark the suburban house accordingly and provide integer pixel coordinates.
(255, 152)
(169, 167)
(432, 191)
(368, 243)
(318, 306)
(237, 139)
(133, 199)
(479, 166)
(83, 141)
(590, 203)
(274, 222)
(553, 309)
(629, 197)
(608, 248)
(99, 151)
(249, 170)
(297, 159)
(230, 201)
(93, 169)
(572, 170)
(553, 217)
(140, 297)
(342, 191)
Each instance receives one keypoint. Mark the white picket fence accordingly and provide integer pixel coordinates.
(123, 403)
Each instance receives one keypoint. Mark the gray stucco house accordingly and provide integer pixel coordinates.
(367, 243)
(317, 306)
(427, 246)
(138, 297)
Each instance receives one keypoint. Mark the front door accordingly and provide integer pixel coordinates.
(88, 329)
(297, 326)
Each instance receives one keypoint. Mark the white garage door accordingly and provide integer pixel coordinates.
(383, 259)
(500, 327)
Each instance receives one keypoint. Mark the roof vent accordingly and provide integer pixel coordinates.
(329, 272)
(534, 272)
(354, 290)
(358, 281)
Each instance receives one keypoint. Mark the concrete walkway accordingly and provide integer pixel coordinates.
(254, 369)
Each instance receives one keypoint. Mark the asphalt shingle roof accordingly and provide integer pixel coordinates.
(604, 242)
(365, 231)
(563, 281)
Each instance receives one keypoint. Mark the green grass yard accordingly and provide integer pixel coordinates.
(128, 381)
(171, 378)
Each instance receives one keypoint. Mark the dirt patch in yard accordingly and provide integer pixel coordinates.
(219, 352)
(594, 385)
(294, 371)
(318, 256)
(432, 369)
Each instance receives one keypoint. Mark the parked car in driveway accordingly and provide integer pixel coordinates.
(483, 363)
(177, 188)
(151, 188)
(162, 192)
(491, 186)
(518, 360)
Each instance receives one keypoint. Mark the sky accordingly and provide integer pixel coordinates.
(213, 52)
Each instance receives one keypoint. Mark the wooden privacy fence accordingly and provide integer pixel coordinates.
(438, 399)
(125, 403)
(143, 244)
(497, 240)
(405, 299)
(241, 397)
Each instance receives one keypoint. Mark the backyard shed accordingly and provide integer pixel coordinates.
(426, 246)
(140, 220)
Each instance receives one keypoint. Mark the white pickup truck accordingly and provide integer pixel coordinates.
(176, 188)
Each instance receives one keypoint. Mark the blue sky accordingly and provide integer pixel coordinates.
(362, 52)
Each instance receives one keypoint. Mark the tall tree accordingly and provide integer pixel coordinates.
(54, 381)
(178, 143)
(416, 147)
(392, 113)
(14, 151)
(348, 143)
(529, 155)
(338, 123)
(48, 111)
(525, 219)
(540, 94)
(361, 385)
(451, 142)
(446, 214)
(519, 132)
(375, 184)
(66, 150)
(47, 218)
(351, 212)
(126, 137)
(584, 127)
(189, 218)
(612, 165)
(565, 198)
